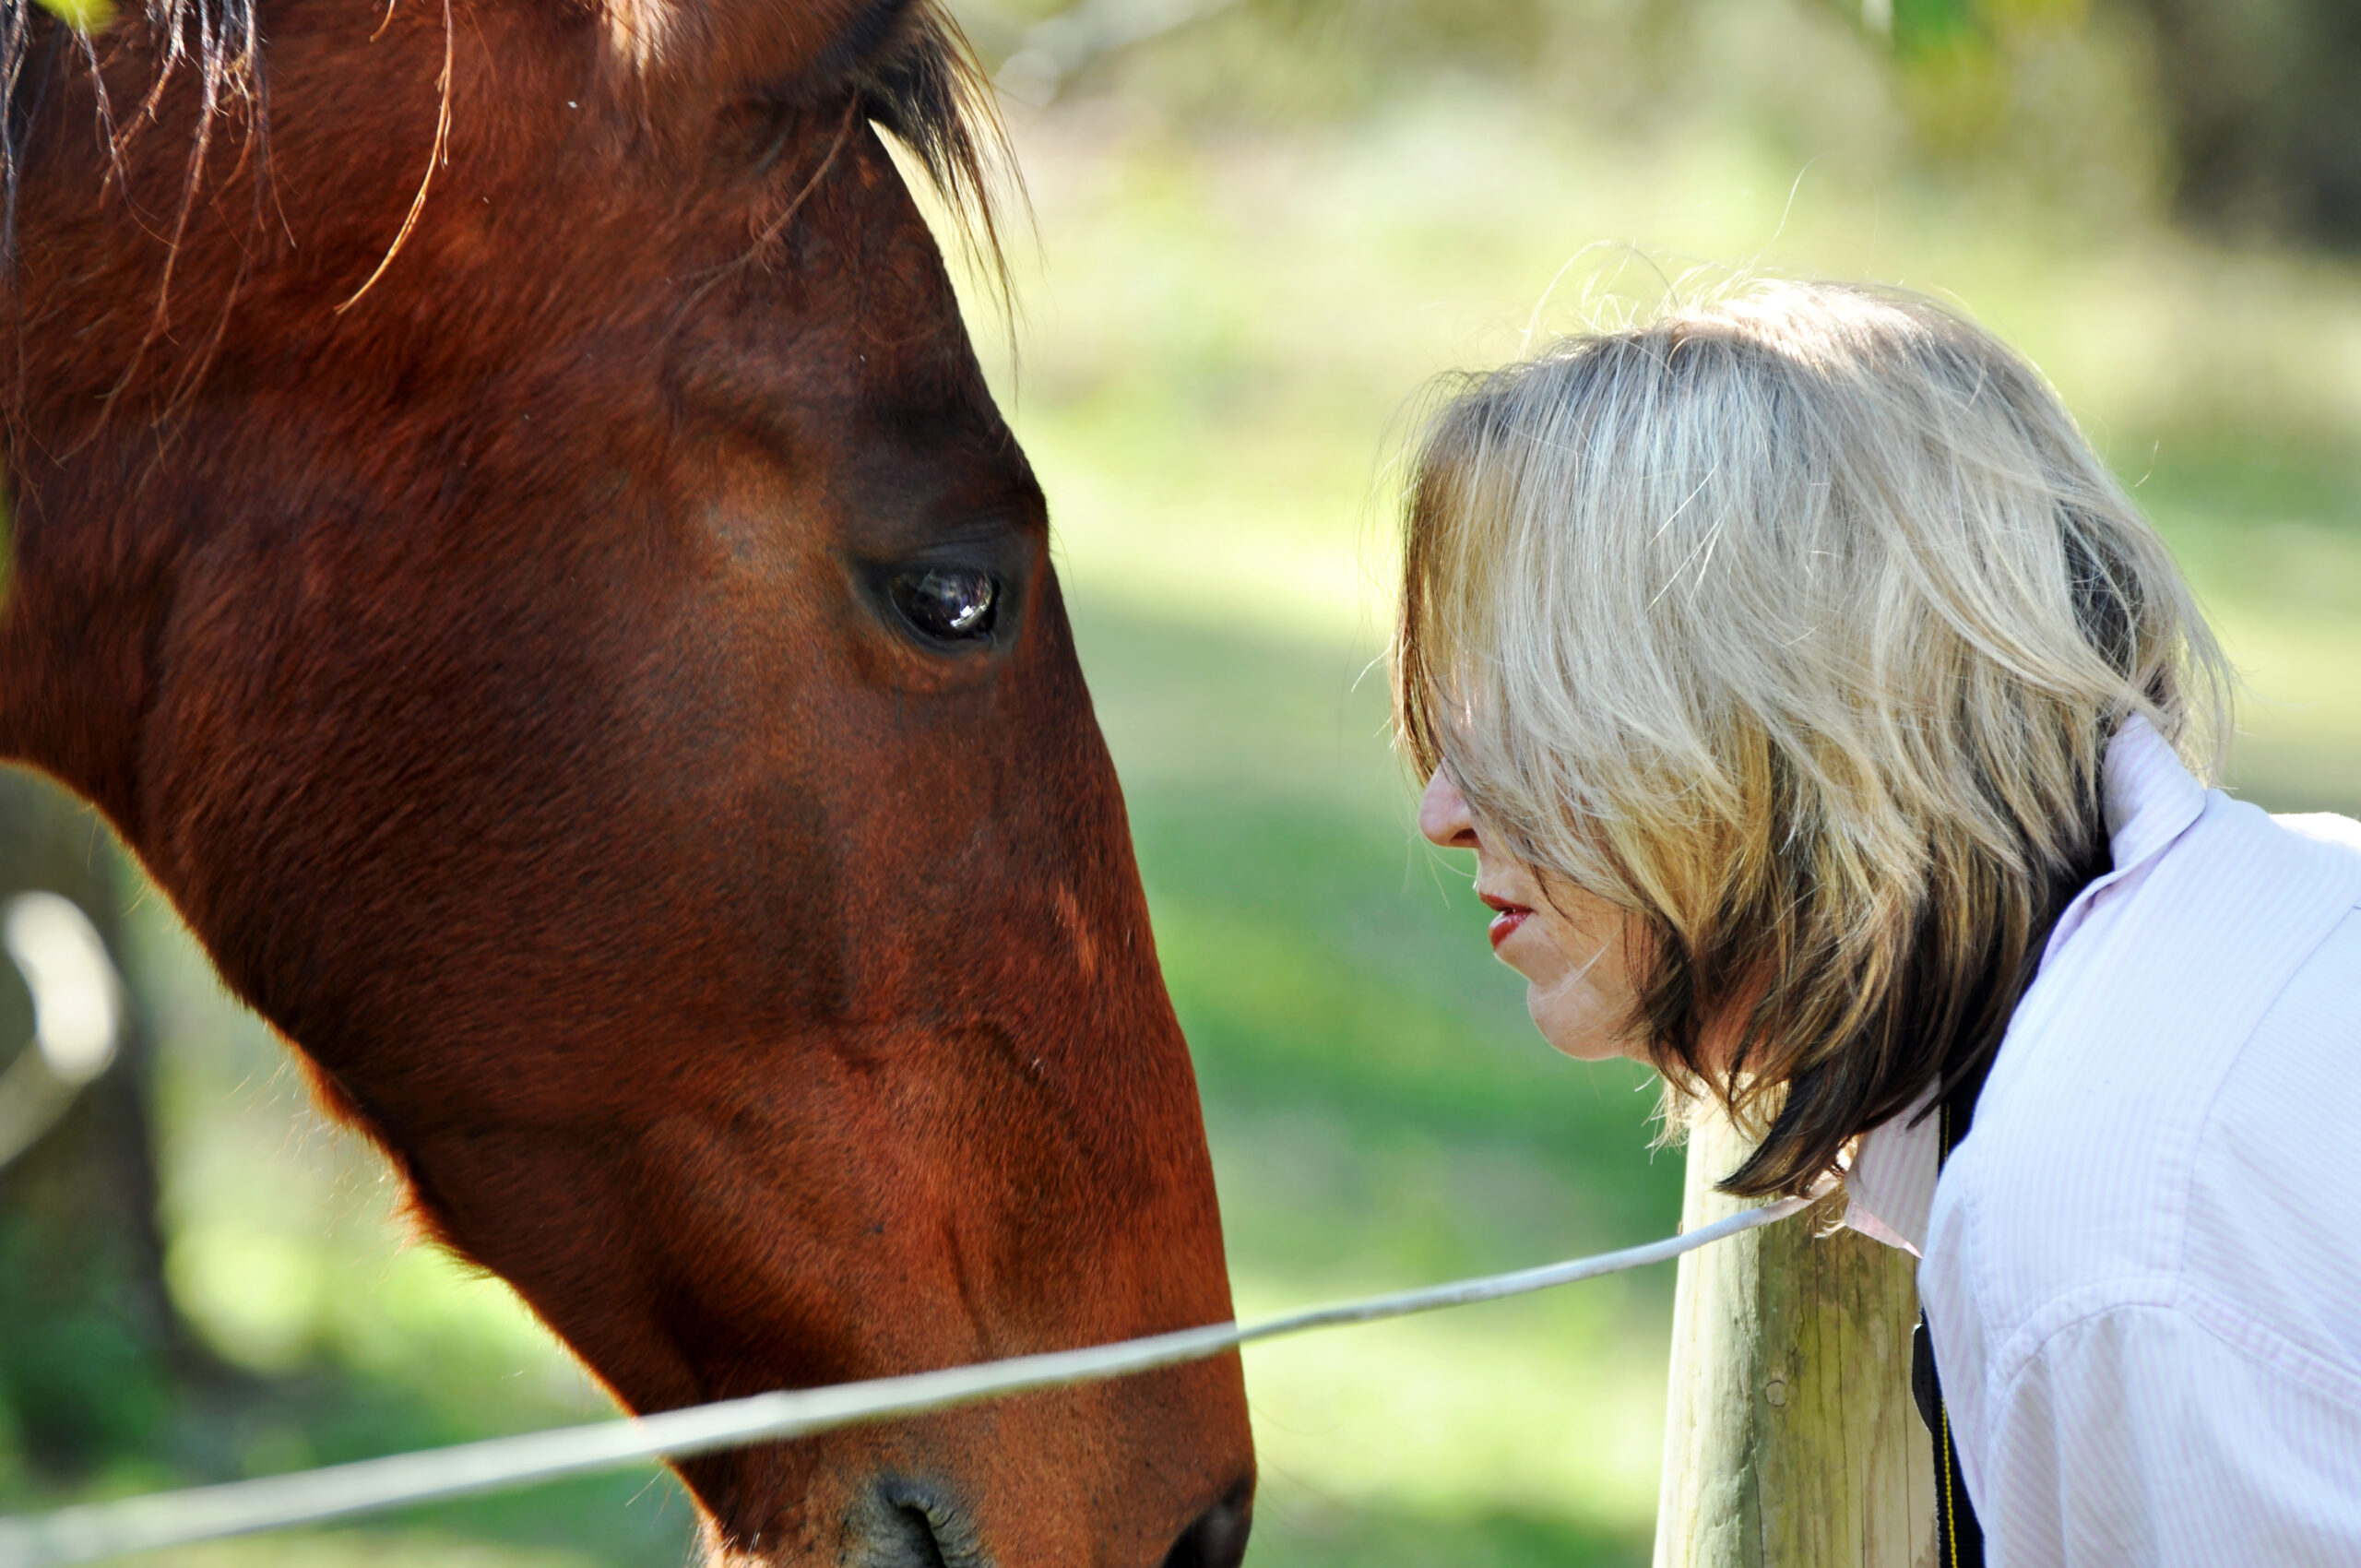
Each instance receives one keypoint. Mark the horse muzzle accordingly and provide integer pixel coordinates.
(910, 1523)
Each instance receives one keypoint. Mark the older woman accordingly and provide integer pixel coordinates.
(1831, 733)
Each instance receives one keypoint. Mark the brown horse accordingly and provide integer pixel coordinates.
(509, 526)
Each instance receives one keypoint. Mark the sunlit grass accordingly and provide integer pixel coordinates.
(1536, 1412)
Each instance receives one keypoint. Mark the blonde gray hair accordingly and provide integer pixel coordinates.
(1796, 623)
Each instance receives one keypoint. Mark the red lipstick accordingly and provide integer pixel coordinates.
(1506, 917)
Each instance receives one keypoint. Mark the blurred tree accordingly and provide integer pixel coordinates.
(2263, 100)
(90, 1348)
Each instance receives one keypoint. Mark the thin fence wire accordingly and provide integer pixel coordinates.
(94, 1531)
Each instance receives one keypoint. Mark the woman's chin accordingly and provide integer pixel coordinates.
(1591, 1050)
(1579, 1034)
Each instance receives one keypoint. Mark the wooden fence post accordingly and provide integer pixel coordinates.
(1790, 1438)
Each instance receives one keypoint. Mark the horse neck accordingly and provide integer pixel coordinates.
(92, 574)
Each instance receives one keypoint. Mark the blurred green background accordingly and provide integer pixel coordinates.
(1261, 226)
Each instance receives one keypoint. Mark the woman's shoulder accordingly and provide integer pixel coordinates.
(2164, 1116)
(2325, 828)
(2273, 1189)
(2132, 1023)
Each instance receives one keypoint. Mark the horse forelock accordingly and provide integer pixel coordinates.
(931, 94)
(219, 42)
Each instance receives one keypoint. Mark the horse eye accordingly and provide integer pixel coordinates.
(953, 603)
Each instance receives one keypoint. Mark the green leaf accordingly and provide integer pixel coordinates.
(82, 16)
(1922, 25)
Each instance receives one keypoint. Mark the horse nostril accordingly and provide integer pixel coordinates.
(911, 1542)
(912, 1524)
(1218, 1537)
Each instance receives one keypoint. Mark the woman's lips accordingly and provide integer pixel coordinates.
(1506, 917)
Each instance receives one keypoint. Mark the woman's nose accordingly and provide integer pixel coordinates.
(1444, 817)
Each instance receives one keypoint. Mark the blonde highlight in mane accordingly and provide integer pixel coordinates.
(1796, 622)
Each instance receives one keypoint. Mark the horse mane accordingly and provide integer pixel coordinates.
(925, 87)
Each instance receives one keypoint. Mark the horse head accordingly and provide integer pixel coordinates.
(509, 526)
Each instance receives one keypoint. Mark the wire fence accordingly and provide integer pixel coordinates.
(95, 1531)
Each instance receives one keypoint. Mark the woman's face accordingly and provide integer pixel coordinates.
(1573, 948)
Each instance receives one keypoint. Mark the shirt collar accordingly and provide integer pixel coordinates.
(2149, 800)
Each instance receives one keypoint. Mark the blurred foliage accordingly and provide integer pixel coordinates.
(82, 16)
(2259, 100)
(2245, 115)
(2047, 95)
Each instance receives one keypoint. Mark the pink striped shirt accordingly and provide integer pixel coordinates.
(2142, 1267)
